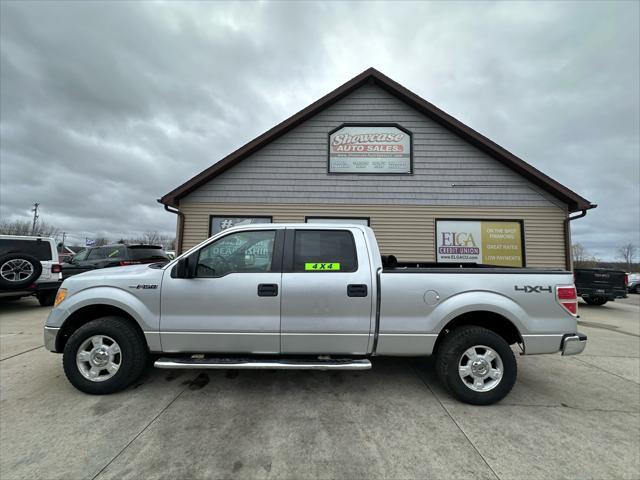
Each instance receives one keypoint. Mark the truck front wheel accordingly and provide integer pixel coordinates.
(105, 356)
(476, 365)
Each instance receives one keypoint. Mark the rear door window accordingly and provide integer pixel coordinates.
(111, 253)
(324, 251)
(40, 249)
(96, 254)
(146, 253)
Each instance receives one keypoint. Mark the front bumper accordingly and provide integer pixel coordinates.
(573, 343)
(50, 336)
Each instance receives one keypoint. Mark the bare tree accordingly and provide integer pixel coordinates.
(155, 238)
(579, 253)
(25, 227)
(100, 241)
(627, 253)
(582, 257)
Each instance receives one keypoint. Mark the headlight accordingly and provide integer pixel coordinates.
(60, 296)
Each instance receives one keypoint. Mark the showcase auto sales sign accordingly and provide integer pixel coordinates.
(370, 149)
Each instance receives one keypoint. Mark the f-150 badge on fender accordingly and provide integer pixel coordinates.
(144, 286)
(533, 289)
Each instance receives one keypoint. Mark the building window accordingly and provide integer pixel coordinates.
(241, 252)
(339, 220)
(489, 242)
(220, 223)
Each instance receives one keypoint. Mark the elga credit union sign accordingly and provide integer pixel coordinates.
(369, 149)
(472, 241)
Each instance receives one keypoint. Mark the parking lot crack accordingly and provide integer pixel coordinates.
(456, 423)
(564, 405)
(21, 353)
(606, 371)
(139, 433)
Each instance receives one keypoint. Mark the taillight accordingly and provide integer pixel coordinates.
(56, 268)
(626, 279)
(568, 298)
(124, 263)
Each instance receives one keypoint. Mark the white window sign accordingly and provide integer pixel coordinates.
(338, 220)
(370, 149)
(222, 223)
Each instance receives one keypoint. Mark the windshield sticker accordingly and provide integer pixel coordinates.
(322, 266)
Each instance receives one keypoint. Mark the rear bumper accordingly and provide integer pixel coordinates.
(573, 343)
(609, 294)
(48, 286)
(32, 289)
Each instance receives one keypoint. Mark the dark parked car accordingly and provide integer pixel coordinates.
(112, 256)
(597, 286)
(633, 285)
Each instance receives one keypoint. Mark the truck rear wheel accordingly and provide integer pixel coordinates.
(476, 365)
(105, 356)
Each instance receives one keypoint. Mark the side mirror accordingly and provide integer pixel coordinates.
(181, 270)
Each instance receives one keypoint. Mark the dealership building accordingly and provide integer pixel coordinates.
(375, 153)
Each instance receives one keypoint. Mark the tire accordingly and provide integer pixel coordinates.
(452, 354)
(18, 270)
(596, 301)
(130, 358)
(47, 299)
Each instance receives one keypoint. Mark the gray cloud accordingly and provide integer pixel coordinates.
(107, 106)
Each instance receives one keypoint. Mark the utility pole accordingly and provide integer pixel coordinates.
(35, 217)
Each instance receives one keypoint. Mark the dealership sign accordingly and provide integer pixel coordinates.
(472, 241)
(370, 149)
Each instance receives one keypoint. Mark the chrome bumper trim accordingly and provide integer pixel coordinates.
(573, 344)
(50, 335)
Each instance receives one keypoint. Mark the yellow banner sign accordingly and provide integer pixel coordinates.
(502, 243)
(322, 266)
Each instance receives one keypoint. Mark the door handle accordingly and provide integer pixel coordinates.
(356, 290)
(268, 290)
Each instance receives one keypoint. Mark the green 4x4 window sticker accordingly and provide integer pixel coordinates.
(322, 266)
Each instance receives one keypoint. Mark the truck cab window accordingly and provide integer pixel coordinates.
(237, 253)
(324, 251)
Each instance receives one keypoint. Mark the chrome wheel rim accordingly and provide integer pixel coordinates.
(480, 368)
(99, 358)
(16, 270)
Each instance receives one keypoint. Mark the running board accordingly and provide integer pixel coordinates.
(267, 364)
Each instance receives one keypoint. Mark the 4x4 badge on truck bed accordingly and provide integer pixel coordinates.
(535, 289)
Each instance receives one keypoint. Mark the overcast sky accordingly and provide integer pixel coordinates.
(107, 106)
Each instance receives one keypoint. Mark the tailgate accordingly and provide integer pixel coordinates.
(600, 280)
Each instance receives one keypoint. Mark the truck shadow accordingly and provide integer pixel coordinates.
(387, 374)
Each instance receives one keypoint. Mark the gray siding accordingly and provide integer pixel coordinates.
(407, 231)
(293, 168)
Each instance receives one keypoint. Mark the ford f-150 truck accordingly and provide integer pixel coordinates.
(301, 296)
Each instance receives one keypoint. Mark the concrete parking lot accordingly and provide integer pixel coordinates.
(567, 417)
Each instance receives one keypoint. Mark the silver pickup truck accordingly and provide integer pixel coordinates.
(300, 296)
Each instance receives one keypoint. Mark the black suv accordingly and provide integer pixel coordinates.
(117, 255)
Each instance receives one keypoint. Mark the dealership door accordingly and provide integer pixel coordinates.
(326, 292)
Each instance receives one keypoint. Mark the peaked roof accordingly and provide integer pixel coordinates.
(574, 201)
